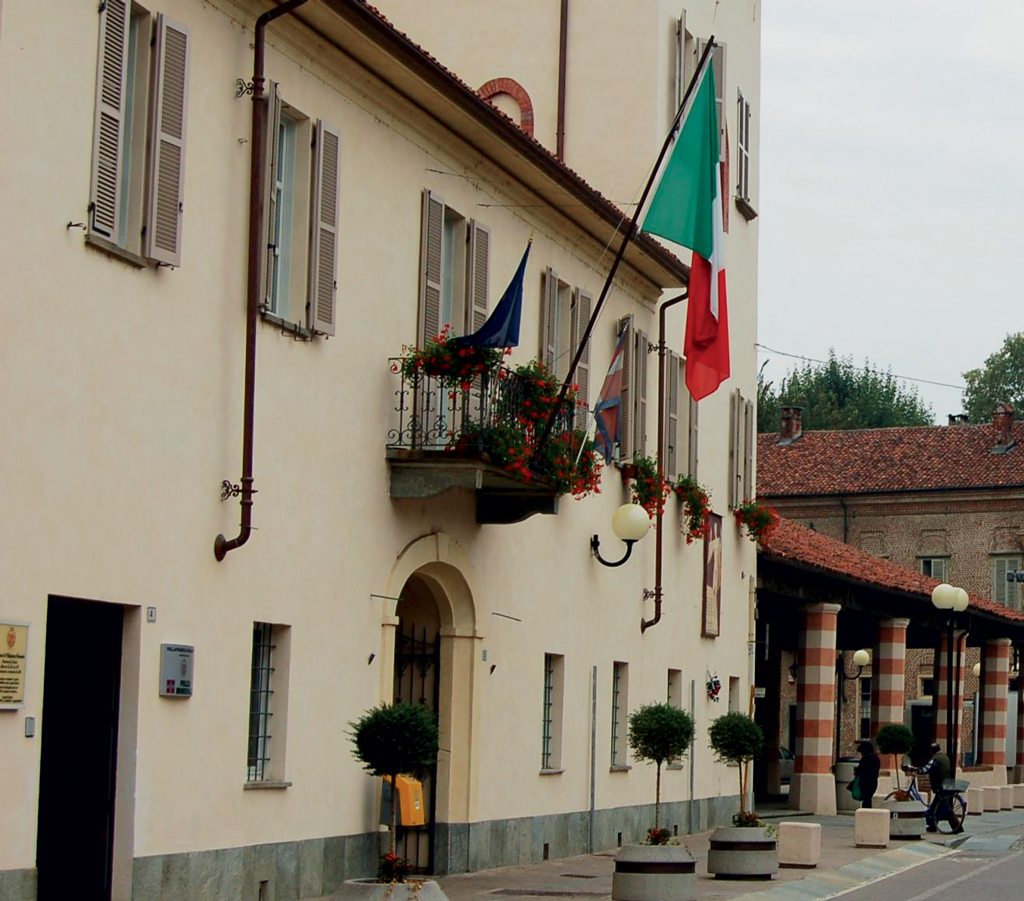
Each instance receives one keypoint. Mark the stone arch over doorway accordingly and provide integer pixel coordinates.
(429, 590)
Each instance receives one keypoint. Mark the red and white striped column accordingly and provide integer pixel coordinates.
(941, 699)
(995, 677)
(1018, 770)
(888, 669)
(813, 787)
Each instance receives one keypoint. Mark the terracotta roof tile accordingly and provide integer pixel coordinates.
(796, 543)
(860, 461)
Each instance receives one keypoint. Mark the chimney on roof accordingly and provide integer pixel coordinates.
(792, 424)
(1002, 422)
(957, 418)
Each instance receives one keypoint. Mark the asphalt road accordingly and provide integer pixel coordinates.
(989, 868)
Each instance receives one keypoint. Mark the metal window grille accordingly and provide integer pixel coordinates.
(549, 683)
(865, 708)
(260, 694)
(616, 686)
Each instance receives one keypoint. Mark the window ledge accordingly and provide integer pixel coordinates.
(619, 768)
(746, 210)
(673, 766)
(298, 332)
(260, 786)
(551, 772)
(112, 249)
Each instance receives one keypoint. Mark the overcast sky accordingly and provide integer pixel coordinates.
(892, 184)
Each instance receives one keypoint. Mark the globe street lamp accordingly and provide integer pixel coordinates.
(952, 601)
(630, 523)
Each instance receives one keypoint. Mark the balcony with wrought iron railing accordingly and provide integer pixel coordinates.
(479, 432)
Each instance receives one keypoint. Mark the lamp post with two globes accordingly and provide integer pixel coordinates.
(952, 601)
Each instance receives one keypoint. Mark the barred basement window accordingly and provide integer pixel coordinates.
(551, 732)
(865, 708)
(620, 688)
(260, 695)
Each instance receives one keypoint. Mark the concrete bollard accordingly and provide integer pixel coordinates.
(1006, 797)
(975, 802)
(871, 828)
(799, 844)
(990, 800)
(1018, 796)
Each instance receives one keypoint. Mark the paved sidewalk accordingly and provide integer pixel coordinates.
(843, 866)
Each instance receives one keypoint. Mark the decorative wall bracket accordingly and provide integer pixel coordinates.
(242, 88)
(227, 489)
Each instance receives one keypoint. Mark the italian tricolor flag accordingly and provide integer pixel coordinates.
(687, 209)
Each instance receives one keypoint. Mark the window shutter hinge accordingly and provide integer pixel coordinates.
(102, 6)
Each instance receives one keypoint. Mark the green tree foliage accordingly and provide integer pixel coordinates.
(737, 739)
(838, 395)
(1000, 379)
(659, 732)
(395, 740)
(896, 740)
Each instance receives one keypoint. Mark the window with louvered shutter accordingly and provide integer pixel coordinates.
(1004, 592)
(431, 267)
(640, 382)
(627, 418)
(108, 135)
(323, 281)
(550, 318)
(718, 67)
(169, 108)
(691, 445)
(581, 307)
(735, 448)
(670, 452)
(477, 276)
(743, 144)
(270, 191)
(749, 430)
(683, 63)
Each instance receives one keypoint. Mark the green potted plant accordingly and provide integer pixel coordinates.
(393, 740)
(908, 816)
(659, 869)
(746, 848)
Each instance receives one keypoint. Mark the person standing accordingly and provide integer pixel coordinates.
(867, 770)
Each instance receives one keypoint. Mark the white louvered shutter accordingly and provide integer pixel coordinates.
(478, 262)
(743, 143)
(549, 319)
(691, 444)
(735, 448)
(323, 281)
(169, 106)
(718, 67)
(270, 250)
(670, 453)
(749, 429)
(108, 131)
(626, 415)
(581, 308)
(431, 267)
(640, 437)
(680, 73)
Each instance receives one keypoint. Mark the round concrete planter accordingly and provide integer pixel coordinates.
(907, 820)
(654, 873)
(743, 851)
(372, 890)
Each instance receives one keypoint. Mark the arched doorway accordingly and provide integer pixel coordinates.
(417, 680)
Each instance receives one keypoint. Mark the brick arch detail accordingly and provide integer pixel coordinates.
(517, 92)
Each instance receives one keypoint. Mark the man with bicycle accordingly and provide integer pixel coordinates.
(938, 769)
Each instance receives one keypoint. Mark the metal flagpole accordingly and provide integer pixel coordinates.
(626, 238)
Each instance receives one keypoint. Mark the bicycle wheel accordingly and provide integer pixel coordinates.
(950, 813)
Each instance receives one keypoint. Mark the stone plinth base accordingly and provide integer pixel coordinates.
(799, 844)
(814, 792)
(990, 798)
(871, 828)
(975, 801)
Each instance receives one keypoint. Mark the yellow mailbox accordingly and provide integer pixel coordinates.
(410, 801)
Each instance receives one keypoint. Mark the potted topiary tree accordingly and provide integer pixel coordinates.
(393, 740)
(908, 816)
(746, 848)
(657, 870)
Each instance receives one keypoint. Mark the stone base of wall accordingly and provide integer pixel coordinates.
(315, 867)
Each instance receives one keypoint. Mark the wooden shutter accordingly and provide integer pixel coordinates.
(431, 267)
(626, 415)
(640, 382)
(269, 250)
(477, 276)
(323, 273)
(169, 108)
(670, 452)
(680, 73)
(581, 307)
(743, 143)
(108, 130)
(549, 320)
(691, 444)
(718, 67)
(749, 430)
(735, 448)
(1004, 592)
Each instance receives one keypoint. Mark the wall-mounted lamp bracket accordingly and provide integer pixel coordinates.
(595, 544)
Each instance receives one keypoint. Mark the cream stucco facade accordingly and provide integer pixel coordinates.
(123, 410)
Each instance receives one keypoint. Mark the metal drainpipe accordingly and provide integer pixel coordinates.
(257, 202)
(658, 539)
(563, 48)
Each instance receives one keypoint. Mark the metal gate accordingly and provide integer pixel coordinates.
(417, 681)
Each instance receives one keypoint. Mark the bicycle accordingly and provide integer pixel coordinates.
(950, 808)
